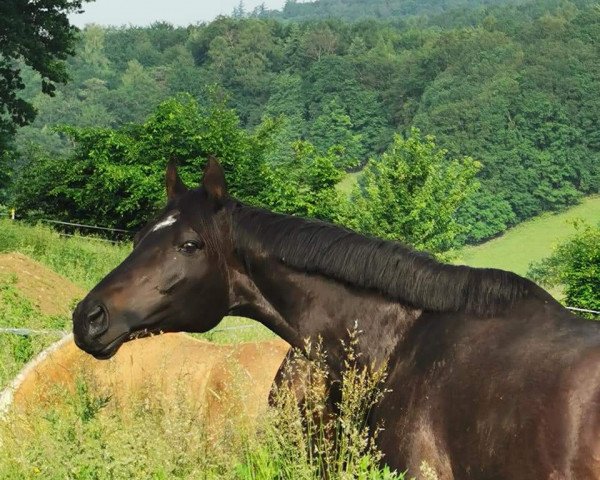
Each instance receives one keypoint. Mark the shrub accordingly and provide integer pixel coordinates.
(575, 265)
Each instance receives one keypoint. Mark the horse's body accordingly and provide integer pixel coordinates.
(490, 377)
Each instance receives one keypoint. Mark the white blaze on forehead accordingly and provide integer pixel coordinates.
(170, 220)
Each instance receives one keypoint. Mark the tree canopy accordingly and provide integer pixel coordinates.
(38, 35)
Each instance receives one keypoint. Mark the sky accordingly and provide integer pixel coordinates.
(145, 12)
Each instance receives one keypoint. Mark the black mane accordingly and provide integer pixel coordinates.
(393, 269)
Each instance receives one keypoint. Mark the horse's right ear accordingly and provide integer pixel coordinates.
(175, 186)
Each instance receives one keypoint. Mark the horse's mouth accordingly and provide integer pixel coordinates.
(145, 332)
(113, 347)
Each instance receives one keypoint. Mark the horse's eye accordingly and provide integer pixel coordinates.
(189, 247)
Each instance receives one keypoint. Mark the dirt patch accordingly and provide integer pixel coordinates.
(47, 290)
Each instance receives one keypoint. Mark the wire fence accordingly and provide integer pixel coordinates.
(27, 332)
(73, 229)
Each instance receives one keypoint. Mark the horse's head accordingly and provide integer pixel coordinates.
(175, 279)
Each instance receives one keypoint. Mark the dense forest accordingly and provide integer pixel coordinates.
(512, 85)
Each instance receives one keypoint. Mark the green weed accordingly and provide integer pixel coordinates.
(16, 311)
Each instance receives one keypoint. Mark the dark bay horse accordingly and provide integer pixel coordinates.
(491, 378)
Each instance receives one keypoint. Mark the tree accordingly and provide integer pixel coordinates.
(137, 95)
(575, 265)
(114, 177)
(412, 193)
(332, 130)
(303, 185)
(39, 35)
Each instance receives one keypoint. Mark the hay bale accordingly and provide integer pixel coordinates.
(211, 378)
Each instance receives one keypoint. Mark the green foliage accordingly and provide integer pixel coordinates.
(483, 215)
(575, 265)
(303, 184)
(511, 84)
(39, 35)
(411, 194)
(115, 177)
(333, 127)
(381, 9)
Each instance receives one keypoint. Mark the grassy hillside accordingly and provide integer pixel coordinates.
(530, 241)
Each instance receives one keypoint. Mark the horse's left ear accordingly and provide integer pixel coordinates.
(214, 179)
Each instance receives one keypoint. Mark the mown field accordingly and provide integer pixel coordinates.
(531, 241)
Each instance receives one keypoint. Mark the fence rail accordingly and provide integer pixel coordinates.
(119, 234)
(584, 310)
(27, 332)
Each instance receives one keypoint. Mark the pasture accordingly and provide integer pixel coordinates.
(532, 240)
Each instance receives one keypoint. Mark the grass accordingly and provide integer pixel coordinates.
(82, 260)
(18, 311)
(85, 435)
(530, 241)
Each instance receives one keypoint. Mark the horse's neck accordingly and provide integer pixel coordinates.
(298, 306)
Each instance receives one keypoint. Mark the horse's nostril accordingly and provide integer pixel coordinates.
(96, 314)
(97, 320)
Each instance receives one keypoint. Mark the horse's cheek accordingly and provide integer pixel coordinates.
(171, 277)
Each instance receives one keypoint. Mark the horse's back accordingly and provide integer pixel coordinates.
(509, 397)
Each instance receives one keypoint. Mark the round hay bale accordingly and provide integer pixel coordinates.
(210, 378)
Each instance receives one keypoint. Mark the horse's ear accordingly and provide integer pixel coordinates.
(214, 179)
(175, 186)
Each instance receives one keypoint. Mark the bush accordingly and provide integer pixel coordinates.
(411, 194)
(575, 265)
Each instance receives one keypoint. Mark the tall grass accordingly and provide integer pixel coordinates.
(85, 435)
(82, 260)
(310, 438)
